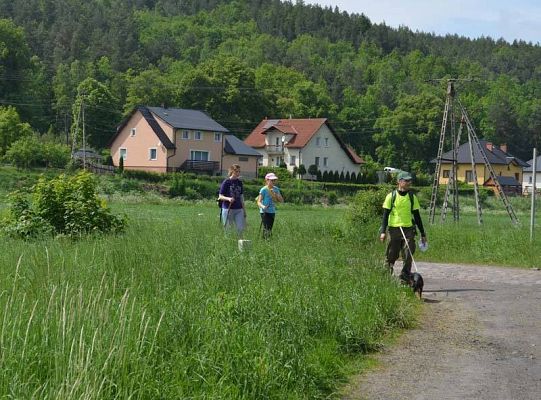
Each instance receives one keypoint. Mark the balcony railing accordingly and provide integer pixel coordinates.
(274, 149)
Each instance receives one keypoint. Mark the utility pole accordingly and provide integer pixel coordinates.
(84, 135)
(473, 142)
(534, 173)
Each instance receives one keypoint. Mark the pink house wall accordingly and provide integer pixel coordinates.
(138, 146)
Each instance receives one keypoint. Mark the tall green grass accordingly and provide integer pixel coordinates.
(172, 309)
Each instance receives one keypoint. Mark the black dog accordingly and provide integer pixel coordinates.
(417, 283)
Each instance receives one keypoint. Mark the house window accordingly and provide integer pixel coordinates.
(317, 162)
(325, 161)
(217, 137)
(517, 176)
(185, 135)
(530, 180)
(243, 158)
(292, 160)
(446, 173)
(152, 153)
(198, 135)
(197, 155)
(277, 142)
(326, 142)
(469, 176)
(318, 142)
(133, 132)
(123, 153)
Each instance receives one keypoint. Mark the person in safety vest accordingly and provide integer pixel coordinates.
(401, 215)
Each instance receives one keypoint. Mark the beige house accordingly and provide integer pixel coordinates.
(504, 165)
(161, 139)
(303, 141)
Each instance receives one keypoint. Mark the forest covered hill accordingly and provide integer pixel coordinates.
(244, 60)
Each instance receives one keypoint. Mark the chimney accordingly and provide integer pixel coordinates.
(490, 146)
(503, 147)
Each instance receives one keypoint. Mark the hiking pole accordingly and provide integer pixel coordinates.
(408, 246)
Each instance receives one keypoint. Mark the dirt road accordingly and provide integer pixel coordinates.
(479, 338)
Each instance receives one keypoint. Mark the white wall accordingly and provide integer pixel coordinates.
(337, 159)
(526, 181)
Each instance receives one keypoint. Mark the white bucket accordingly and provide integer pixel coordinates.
(244, 244)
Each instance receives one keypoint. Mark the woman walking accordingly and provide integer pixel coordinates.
(269, 195)
(232, 197)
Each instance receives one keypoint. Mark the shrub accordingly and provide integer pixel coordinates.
(22, 221)
(366, 206)
(30, 151)
(64, 205)
(178, 185)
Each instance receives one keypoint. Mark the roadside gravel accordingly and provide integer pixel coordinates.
(479, 337)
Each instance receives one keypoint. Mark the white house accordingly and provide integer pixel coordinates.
(303, 141)
(527, 176)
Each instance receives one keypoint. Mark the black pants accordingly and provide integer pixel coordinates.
(397, 245)
(267, 221)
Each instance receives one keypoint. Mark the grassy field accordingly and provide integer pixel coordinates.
(171, 309)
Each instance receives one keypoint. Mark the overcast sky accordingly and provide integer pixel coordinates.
(507, 19)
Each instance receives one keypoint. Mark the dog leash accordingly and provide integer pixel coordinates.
(408, 246)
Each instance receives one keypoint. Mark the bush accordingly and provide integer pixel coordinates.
(30, 151)
(366, 206)
(178, 185)
(63, 205)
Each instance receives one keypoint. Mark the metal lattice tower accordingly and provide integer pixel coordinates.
(473, 142)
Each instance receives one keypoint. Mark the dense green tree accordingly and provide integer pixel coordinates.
(11, 128)
(411, 132)
(95, 113)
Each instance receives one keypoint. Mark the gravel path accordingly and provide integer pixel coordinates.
(479, 338)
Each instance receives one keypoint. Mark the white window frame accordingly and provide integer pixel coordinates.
(318, 142)
(133, 131)
(192, 152)
(155, 153)
(292, 160)
(217, 137)
(185, 135)
(198, 135)
(325, 161)
(125, 150)
(326, 142)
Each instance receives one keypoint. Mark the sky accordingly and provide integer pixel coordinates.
(507, 19)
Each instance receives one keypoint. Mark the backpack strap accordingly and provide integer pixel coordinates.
(393, 198)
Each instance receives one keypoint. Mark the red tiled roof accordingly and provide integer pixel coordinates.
(354, 156)
(302, 131)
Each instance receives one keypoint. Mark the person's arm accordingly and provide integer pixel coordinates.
(260, 201)
(419, 223)
(223, 189)
(277, 195)
(384, 223)
(242, 204)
